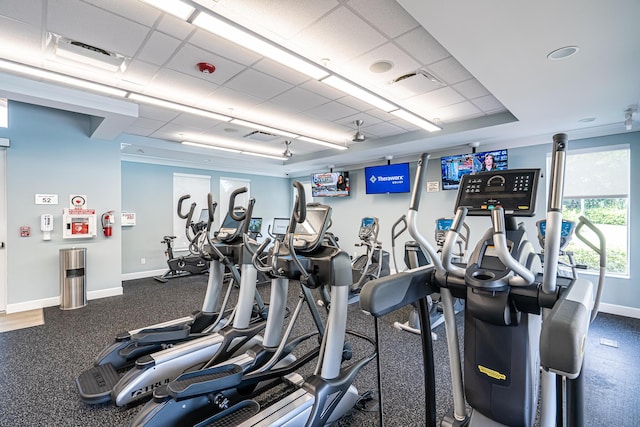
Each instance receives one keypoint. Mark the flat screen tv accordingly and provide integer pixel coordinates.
(455, 167)
(330, 184)
(387, 179)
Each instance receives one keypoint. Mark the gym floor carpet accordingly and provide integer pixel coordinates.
(38, 365)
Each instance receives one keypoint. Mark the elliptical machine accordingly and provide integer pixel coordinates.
(326, 395)
(507, 292)
(374, 263)
(205, 395)
(415, 257)
(185, 265)
(140, 361)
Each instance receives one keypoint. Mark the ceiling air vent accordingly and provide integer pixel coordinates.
(87, 54)
(415, 83)
(261, 136)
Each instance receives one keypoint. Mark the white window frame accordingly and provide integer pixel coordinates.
(628, 197)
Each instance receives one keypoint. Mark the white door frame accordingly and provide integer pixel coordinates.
(3, 229)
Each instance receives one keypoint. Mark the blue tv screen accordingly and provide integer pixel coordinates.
(387, 179)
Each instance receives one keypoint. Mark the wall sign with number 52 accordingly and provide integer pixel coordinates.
(46, 199)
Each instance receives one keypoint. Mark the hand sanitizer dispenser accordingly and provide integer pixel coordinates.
(46, 226)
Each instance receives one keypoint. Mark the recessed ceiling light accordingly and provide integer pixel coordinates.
(381, 66)
(587, 120)
(563, 52)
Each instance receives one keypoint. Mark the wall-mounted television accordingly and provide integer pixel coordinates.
(393, 178)
(455, 167)
(330, 184)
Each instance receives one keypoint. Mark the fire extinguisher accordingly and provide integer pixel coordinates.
(107, 223)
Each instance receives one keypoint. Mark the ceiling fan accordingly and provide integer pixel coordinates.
(359, 136)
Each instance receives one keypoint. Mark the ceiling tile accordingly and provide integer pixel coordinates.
(340, 37)
(388, 16)
(158, 48)
(471, 88)
(383, 129)
(230, 101)
(284, 17)
(422, 46)
(331, 111)
(186, 60)
(175, 27)
(106, 30)
(299, 99)
(156, 113)
(322, 89)
(192, 123)
(132, 10)
(457, 112)
(280, 71)
(179, 87)
(140, 72)
(368, 120)
(29, 12)
(450, 71)
(258, 84)
(430, 101)
(488, 104)
(212, 43)
(358, 69)
(18, 40)
(148, 123)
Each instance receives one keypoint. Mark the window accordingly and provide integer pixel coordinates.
(597, 187)
(4, 113)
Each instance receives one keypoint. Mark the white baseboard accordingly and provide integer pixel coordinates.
(53, 301)
(620, 310)
(143, 274)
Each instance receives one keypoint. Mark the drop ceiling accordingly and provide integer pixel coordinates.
(477, 69)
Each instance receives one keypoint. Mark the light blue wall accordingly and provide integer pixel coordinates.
(147, 190)
(347, 212)
(51, 153)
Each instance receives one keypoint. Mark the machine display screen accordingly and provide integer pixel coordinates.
(280, 226)
(313, 222)
(444, 224)
(367, 222)
(255, 225)
(513, 190)
(566, 231)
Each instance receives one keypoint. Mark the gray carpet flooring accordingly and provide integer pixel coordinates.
(39, 365)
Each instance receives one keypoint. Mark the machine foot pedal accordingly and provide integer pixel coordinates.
(205, 381)
(233, 416)
(95, 384)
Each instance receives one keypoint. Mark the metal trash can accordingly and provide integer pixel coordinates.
(73, 284)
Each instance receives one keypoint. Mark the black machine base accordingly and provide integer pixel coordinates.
(95, 384)
(233, 416)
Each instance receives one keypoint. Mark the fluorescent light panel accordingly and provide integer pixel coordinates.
(264, 128)
(418, 121)
(362, 94)
(319, 142)
(243, 38)
(232, 150)
(174, 7)
(178, 107)
(60, 78)
(211, 147)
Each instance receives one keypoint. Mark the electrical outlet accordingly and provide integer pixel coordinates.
(143, 260)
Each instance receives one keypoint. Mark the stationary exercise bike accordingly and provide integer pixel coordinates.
(415, 257)
(510, 354)
(190, 264)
